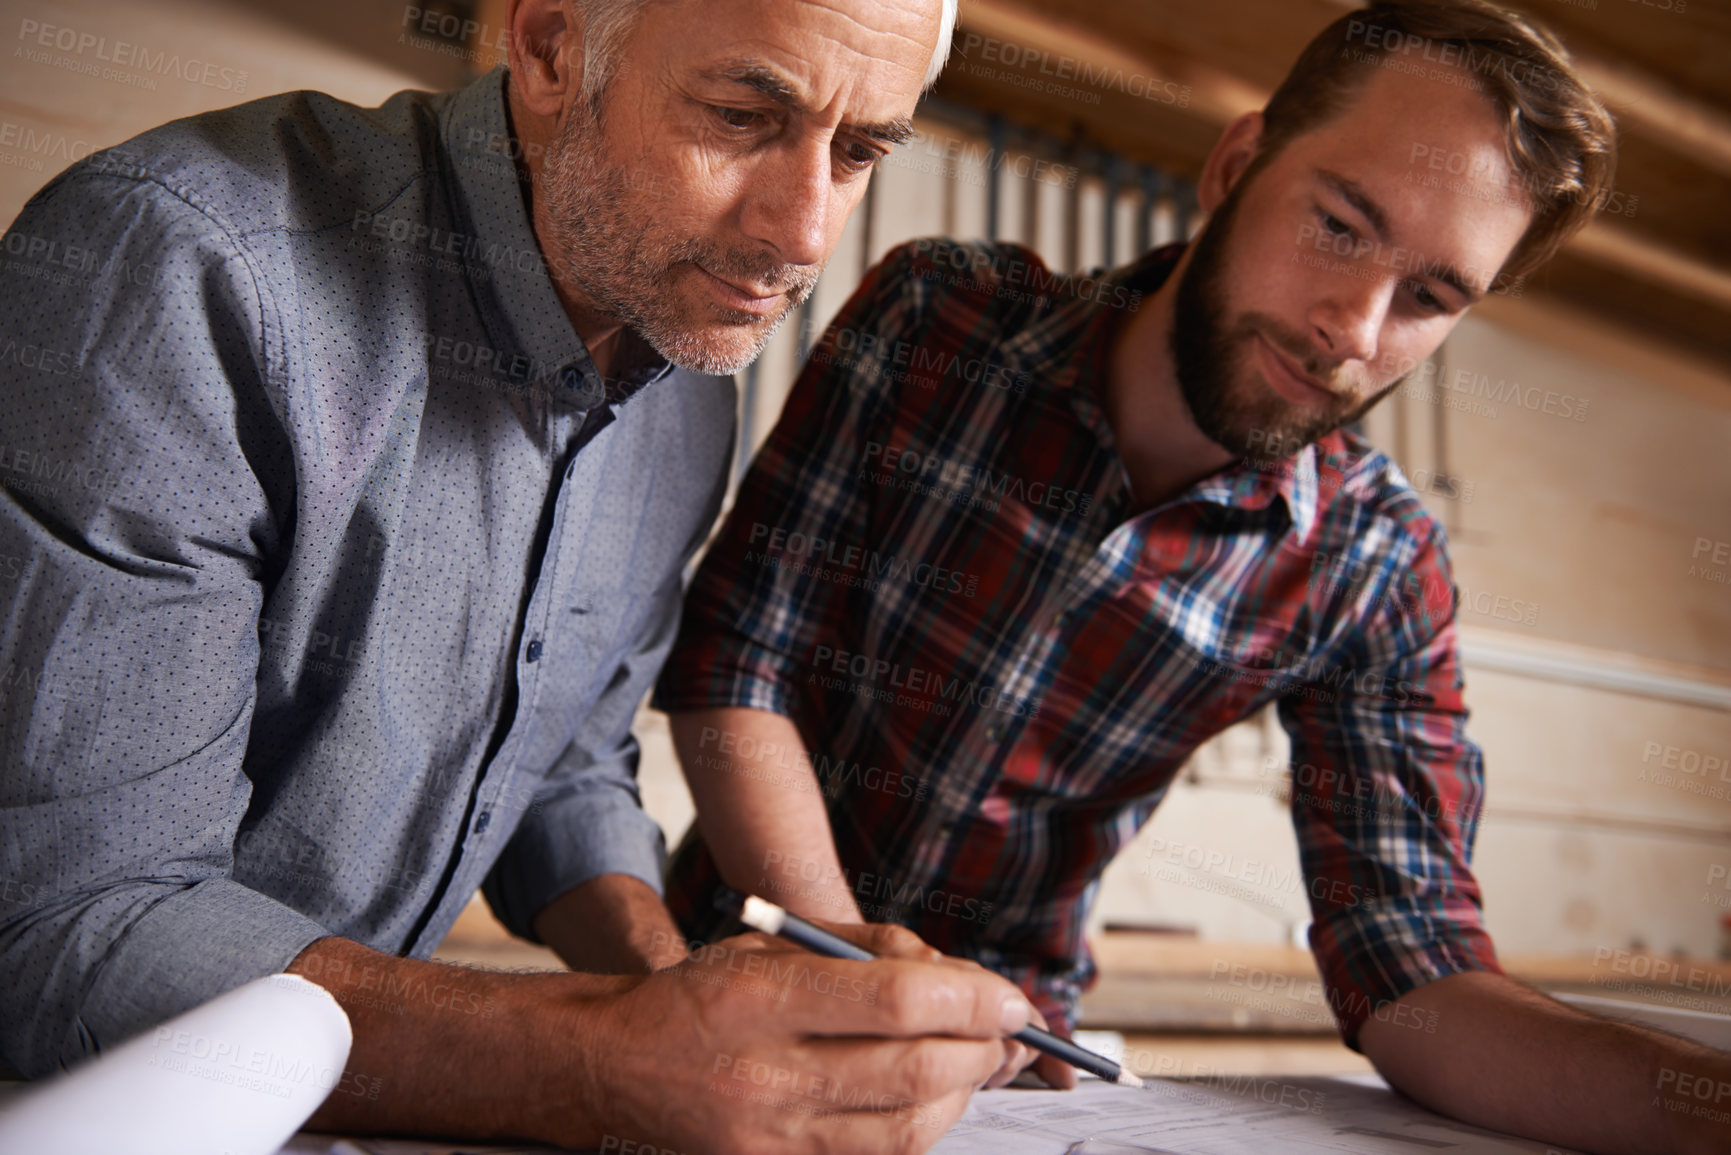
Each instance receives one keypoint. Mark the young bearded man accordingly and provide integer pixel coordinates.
(1121, 514)
(365, 450)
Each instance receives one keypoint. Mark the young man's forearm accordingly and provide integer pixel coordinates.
(1506, 1057)
(763, 817)
(613, 924)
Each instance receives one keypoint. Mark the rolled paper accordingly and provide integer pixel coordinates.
(235, 1076)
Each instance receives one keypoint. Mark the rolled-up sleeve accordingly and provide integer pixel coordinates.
(1387, 790)
(135, 531)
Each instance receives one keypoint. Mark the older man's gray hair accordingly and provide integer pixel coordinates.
(606, 24)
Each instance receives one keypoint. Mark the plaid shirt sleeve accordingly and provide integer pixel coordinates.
(1387, 788)
(757, 607)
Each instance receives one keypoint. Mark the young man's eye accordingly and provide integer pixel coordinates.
(1427, 300)
(1334, 224)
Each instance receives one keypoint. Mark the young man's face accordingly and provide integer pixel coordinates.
(731, 145)
(1327, 275)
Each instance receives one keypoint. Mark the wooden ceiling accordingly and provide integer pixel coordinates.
(1664, 269)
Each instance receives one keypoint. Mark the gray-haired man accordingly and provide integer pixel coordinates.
(345, 534)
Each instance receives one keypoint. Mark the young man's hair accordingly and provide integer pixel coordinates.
(1559, 139)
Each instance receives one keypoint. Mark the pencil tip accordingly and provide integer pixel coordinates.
(1129, 1079)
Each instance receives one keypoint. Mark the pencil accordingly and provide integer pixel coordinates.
(760, 914)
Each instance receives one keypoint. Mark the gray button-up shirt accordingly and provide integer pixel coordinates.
(333, 574)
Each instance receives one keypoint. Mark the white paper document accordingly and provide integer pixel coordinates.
(1234, 1115)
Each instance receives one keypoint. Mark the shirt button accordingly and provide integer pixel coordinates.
(1058, 622)
(482, 822)
(534, 654)
(993, 733)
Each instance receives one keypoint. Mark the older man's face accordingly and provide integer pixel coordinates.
(703, 200)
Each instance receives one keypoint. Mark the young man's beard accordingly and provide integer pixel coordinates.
(1226, 396)
(608, 247)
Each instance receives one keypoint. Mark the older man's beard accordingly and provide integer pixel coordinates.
(608, 247)
(1211, 348)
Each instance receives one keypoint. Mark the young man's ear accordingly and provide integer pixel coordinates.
(1229, 159)
(546, 55)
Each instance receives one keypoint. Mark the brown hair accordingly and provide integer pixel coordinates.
(1560, 141)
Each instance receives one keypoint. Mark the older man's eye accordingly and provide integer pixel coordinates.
(860, 156)
(738, 117)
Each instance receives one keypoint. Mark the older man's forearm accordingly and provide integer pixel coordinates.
(1504, 1056)
(448, 1051)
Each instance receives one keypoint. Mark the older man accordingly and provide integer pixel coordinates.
(346, 533)
(1021, 542)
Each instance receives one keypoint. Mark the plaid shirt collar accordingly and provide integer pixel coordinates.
(1070, 350)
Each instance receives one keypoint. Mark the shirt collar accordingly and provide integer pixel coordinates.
(504, 265)
(1070, 350)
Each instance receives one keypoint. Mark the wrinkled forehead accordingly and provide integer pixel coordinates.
(866, 59)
